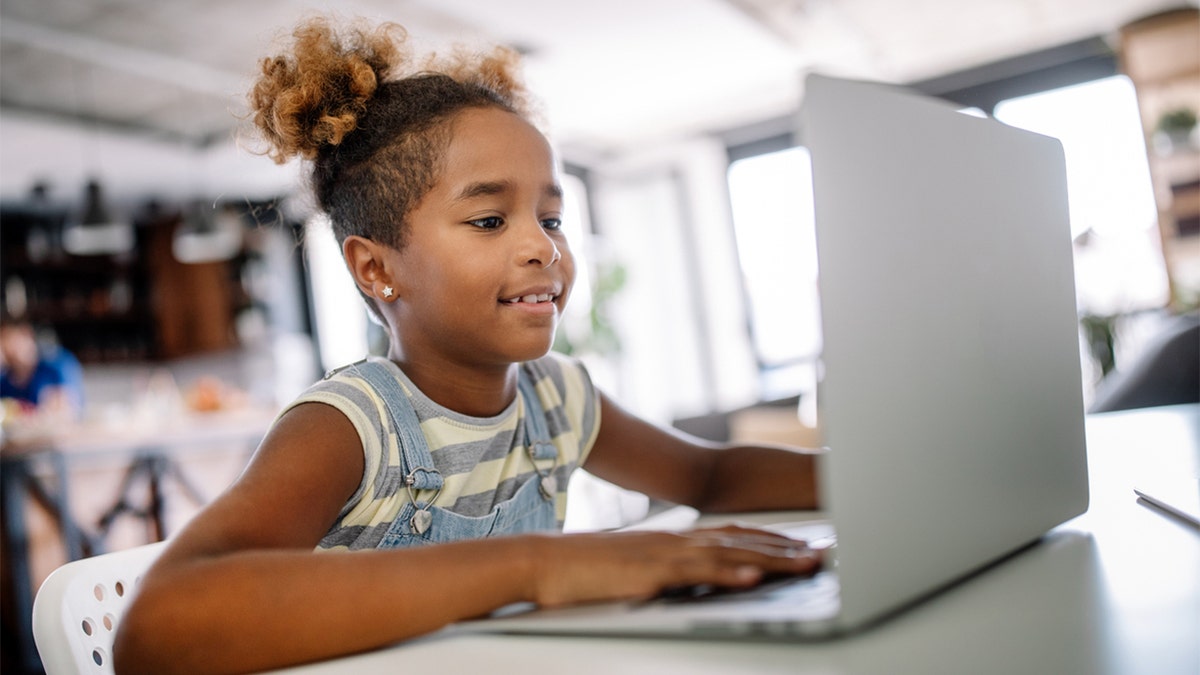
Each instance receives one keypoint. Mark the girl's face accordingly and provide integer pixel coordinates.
(485, 271)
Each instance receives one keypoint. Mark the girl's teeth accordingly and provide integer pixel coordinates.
(533, 298)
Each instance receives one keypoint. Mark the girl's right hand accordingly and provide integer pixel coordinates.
(576, 568)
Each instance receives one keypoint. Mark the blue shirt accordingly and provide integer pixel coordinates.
(58, 369)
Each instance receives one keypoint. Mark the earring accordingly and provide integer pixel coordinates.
(388, 292)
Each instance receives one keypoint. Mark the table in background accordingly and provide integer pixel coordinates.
(38, 468)
(1116, 590)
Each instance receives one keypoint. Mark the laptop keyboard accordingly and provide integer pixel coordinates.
(817, 589)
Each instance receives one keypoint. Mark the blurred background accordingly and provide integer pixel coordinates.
(183, 287)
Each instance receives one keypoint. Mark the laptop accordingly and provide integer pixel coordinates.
(952, 393)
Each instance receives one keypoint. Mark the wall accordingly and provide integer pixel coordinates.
(132, 167)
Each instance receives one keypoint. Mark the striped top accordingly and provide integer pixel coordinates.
(481, 459)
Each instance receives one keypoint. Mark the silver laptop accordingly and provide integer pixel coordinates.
(951, 398)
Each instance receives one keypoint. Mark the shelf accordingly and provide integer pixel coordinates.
(142, 305)
(1158, 54)
(62, 318)
(1162, 48)
(19, 262)
(1176, 168)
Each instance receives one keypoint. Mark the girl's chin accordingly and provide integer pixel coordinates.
(534, 350)
(534, 354)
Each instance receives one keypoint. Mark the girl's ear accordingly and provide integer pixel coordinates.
(366, 261)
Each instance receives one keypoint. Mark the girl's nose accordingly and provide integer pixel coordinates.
(538, 247)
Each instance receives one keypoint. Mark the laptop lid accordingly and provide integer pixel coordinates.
(952, 392)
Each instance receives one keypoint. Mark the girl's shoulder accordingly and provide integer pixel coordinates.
(355, 370)
(565, 373)
(346, 389)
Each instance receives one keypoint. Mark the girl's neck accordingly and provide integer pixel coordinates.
(474, 391)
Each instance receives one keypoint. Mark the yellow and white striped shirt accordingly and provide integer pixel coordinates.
(482, 459)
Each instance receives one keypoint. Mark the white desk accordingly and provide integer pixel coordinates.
(1116, 590)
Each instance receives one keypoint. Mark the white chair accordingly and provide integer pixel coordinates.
(77, 609)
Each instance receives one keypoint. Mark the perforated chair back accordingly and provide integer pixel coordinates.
(78, 607)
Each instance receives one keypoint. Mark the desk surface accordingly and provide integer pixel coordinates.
(1116, 590)
(100, 438)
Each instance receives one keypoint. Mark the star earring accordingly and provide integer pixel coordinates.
(388, 292)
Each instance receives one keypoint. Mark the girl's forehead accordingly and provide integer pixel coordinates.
(488, 128)
(495, 145)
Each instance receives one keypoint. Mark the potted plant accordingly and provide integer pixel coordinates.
(1176, 129)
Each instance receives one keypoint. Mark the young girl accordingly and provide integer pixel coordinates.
(442, 468)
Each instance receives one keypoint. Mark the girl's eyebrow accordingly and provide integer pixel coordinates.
(488, 188)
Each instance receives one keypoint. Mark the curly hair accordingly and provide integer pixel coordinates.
(373, 121)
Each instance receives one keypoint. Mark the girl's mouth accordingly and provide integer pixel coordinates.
(529, 299)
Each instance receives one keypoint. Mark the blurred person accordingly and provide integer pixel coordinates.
(45, 377)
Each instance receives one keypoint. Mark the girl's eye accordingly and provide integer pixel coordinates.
(552, 223)
(488, 223)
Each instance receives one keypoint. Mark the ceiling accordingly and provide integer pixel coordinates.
(611, 74)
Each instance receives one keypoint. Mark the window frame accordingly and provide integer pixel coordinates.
(981, 87)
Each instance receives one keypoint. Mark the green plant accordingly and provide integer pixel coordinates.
(599, 336)
(1100, 332)
(1177, 121)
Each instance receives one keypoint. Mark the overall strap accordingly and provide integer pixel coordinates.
(537, 434)
(414, 450)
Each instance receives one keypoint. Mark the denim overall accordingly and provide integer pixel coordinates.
(420, 522)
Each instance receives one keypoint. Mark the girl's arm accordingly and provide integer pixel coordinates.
(716, 478)
(240, 588)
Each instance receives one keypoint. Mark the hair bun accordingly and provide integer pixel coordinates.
(314, 95)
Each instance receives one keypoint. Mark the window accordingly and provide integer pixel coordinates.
(340, 316)
(1118, 261)
(771, 198)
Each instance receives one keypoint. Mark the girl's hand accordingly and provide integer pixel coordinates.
(570, 569)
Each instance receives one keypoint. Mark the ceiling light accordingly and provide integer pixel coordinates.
(96, 232)
(206, 237)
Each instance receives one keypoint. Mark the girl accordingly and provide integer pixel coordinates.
(444, 466)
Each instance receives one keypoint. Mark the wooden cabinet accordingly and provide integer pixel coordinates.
(195, 304)
(1161, 55)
